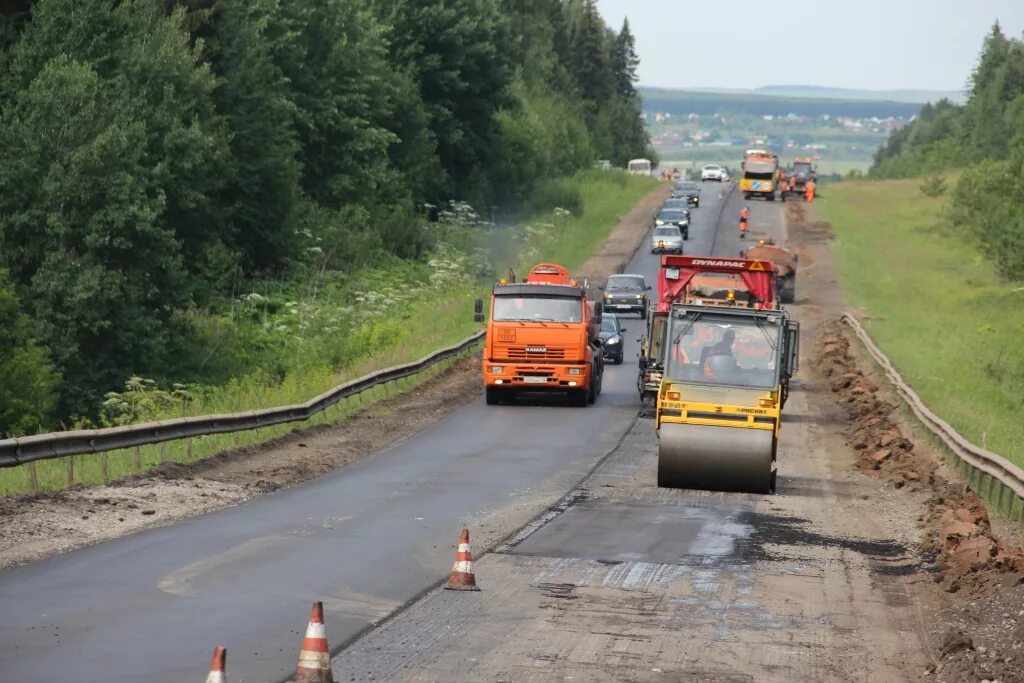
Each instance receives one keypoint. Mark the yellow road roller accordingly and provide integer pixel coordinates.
(726, 378)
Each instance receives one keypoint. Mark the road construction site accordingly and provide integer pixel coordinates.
(587, 569)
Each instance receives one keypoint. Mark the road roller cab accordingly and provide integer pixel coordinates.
(726, 379)
(652, 357)
(543, 335)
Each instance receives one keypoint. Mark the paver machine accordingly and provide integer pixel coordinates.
(725, 378)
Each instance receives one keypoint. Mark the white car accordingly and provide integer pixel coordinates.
(667, 238)
(712, 172)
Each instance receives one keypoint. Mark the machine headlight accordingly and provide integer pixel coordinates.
(497, 369)
(659, 222)
(575, 371)
(639, 297)
(608, 296)
(614, 341)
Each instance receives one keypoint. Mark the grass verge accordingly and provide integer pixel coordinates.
(405, 329)
(935, 307)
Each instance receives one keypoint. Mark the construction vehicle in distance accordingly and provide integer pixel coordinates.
(785, 262)
(803, 170)
(760, 176)
(543, 335)
(705, 281)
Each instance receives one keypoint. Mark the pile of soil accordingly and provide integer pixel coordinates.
(980, 627)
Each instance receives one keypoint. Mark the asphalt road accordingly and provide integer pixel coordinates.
(365, 539)
(632, 582)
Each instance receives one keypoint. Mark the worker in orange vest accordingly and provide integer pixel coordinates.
(744, 216)
(810, 190)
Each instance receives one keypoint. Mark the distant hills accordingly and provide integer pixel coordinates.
(823, 92)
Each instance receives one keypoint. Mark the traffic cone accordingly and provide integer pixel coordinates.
(462, 578)
(315, 657)
(218, 667)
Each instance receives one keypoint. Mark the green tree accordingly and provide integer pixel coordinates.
(458, 51)
(112, 154)
(625, 62)
(28, 382)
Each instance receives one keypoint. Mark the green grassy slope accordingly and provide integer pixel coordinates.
(937, 309)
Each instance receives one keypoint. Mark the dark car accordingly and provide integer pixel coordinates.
(626, 293)
(680, 219)
(678, 204)
(688, 191)
(612, 339)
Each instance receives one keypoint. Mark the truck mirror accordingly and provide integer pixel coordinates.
(478, 306)
(792, 347)
(647, 288)
(598, 312)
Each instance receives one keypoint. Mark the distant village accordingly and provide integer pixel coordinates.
(706, 135)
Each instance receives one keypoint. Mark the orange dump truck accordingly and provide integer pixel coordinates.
(542, 336)
(785, 263)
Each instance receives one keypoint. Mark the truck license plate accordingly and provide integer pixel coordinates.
(535, 380)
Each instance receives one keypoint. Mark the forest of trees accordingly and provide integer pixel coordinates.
(984, 138)
(156, 153)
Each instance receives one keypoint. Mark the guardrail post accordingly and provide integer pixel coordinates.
(163, 451)
(136, 460)
(33, 477)
(71, 470)
(103, 467)
(188, 448)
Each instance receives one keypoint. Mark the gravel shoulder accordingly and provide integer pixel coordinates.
(38, 526)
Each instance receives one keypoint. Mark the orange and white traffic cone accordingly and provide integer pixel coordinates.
(462, 578)
(218, 667)
(315, 657)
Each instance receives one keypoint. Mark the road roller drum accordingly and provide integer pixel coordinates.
(716, 458)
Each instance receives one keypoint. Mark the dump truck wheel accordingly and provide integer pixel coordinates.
(787, 292)
(494, 396)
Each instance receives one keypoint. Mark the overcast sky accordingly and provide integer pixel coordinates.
(873, 44)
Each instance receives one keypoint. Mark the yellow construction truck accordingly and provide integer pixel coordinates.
(725, 378)
(760, 174)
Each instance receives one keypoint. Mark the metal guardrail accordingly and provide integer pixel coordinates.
(1009, 477)
(14, 452)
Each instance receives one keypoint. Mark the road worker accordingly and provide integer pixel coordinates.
(744, 216)
(810, 190)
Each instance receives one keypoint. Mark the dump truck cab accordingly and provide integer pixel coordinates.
(543, 335)
(718, 414)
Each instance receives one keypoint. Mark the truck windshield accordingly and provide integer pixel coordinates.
(802, 169)
(537, 309)
(723, 350)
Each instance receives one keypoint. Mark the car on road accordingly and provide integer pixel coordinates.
(676, 205)
(676, 217)
(627, 293)
(688, 191)
(667, 238)
(712, 172)
(612, 339)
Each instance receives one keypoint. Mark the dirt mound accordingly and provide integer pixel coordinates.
(804, 230)
(982, 576)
